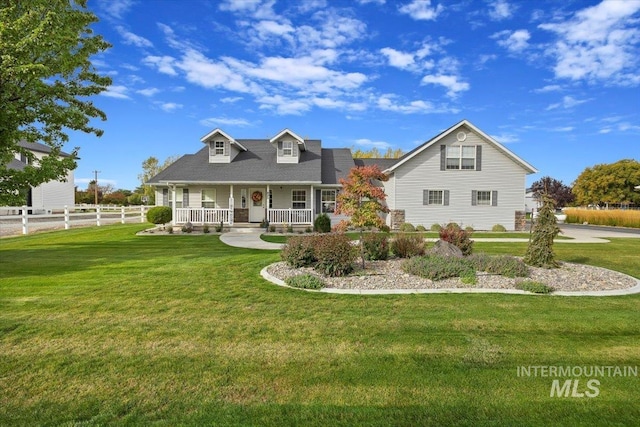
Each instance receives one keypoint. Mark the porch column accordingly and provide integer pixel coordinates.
(313, 205)
(173, 205)
(231, 204)
(266, 196)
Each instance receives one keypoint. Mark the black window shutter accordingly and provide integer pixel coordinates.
(443, 157)
(279, 148)
(446, 197)
(478, 157)
(425, 197)
(474, 197)
(494, 198)
(318, 206)
(185, 197)
(165, 197)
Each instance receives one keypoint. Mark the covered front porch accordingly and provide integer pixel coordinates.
(251, 203)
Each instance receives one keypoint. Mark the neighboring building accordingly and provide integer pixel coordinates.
(461, 175)
(52, 194)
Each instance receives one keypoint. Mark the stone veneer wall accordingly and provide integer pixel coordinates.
(521, 220)
(397, 218)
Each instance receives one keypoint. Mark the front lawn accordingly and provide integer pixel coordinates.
(101, 327)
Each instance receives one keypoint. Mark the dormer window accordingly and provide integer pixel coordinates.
(218, 148)
(287, 148)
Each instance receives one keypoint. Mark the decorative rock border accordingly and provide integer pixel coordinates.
(613, 292)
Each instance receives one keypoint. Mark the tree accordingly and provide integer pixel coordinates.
(375, 154)
(362, 200)
(150, 168)
(544, 230)
(560, 194)
(609, 183)
(46, 78)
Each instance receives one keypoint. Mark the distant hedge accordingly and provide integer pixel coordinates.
(159, 215)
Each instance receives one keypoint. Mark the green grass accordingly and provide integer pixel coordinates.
(100, 327)
(278, 238)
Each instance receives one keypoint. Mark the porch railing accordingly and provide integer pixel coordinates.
(290, 216)
(203, 216)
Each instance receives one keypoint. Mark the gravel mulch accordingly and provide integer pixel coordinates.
(389, 275)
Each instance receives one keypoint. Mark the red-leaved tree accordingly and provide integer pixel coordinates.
(362, 200)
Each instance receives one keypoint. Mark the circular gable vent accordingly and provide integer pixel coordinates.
(461, 136)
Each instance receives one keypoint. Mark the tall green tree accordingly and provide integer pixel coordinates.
(362, 200)
(46, 81)
(543, 232)
(609, 183)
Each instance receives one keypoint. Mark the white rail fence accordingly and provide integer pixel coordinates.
(203, 216)
(26, 217)
(290, 216)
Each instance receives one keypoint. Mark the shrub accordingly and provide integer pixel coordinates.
(376, 246)
(500, 264)
(534, 287)
(407, 245)
(335, 254)
(289, 228)
(613, 217)
(438, 267)
(272, 228)
(169, 229)
(407, 227)
(498, 228)
(159, 215)
(436, 227)
(187, 227)
(219, 227)
(458, 237)
(322, 223)
(205, 229)
(385, 228)
(420, 228)
(543, 230)
(305, 281)
(308, 230)
(299, 251)
(469, 229)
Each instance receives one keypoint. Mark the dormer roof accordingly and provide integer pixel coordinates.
(298, 139)
(218, 131)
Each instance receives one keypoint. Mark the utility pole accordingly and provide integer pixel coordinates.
(95, 186)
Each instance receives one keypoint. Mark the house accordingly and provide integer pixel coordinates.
(461, 175)
(49, 195)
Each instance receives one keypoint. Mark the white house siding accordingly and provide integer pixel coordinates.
(498, 173)
(54, 194)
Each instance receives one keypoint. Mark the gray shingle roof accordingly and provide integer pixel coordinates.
(258, 164)
(382, 163)
(336, 164)
(41, 148)
(16, 164)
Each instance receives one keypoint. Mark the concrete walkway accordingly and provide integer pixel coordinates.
(250, 238)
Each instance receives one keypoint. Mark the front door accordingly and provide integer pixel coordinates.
(257, 202)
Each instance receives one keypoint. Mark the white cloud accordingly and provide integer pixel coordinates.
(116, 91)
(500, 10)
(133, 39)
(506, 138)
(563, 129)
(116, 8)
(624, 127)
(548, 88)
(371, 1)
(398, 59)
(148, 91)
(284, 105)
(203, 71)
(230, 99)
(514, 41)
(164, 64)
(169, 107)
(214, 122)
(387, 102)
(450, 82)
(604, 131)
(567, 103)
(364, 142)
(421, 10)
(599, 43)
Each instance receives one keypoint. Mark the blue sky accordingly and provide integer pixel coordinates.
(557, 82)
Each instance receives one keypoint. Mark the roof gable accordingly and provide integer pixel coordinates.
(292, 134)
(218, 131)
(526, 166)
